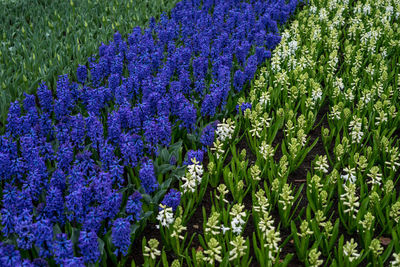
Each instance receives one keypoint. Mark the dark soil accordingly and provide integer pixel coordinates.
(150, 231)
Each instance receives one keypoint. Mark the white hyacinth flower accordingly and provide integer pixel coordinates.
(152, 249)
(237, 225)
(350, 250)
(396, 261)
(196, 170)
(165, 216)
(213, 252)
(350, 200)
(375, 176)
(239, 248)
(350, 175)
(193, 176)
(355, 128)
(272, 238)
(189, 183)
(266, 150)
(322, 164)
(224, 229)
(238, 216)
(218, 147)
(225, 130)
(265, 98)
(256, 128)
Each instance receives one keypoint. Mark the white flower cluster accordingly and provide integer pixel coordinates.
(165, 216)
(237, 221)
(285, 197)
(239, 248)
(213, 252)
(225, 130)
(266, 226)
(350, 199)
(355, 127)
(350, 250)
(151, 250)
(266, 150)
(270, 235)
(193, 176)
(321, 164)
(350, 175)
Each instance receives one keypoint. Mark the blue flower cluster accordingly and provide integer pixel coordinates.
(64, 153)
(208, 134)
(194, 154)
(243, 107)
(172, 199)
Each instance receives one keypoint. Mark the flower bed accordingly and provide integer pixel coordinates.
(306, 172)
(82, 170)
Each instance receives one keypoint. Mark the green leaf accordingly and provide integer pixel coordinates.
(56, 230)
(164, 259)
(158, 195)
(147, 199)
(164, 155)
(75, 236)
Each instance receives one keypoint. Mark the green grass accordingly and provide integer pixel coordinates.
(41, 39)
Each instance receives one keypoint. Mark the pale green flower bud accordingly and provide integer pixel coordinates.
(320, 217)
(152, 249)
(213, 252)
(237, 210)
(275, 185)
(240, 185)
(304, 229)
(293, 147)
(334, 176)
(286, 197)
(395, 212)
(247, 114)
(325, 132)
(242, 155)
(328, 227)
(178, 228)
(212, 225)
(369, 151)
(243, 165)
(375, 175)
(211, 167)
(375, 199)
(200, 258)
(389, 186)
(368, 221)
(376, 247)
(313, 258)
(347, 113)
(362, 162)
(262, 203)
(255, 173)
(176, 263)
(323, 198)
(283, 165)
(339, 151)
(280, 113)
